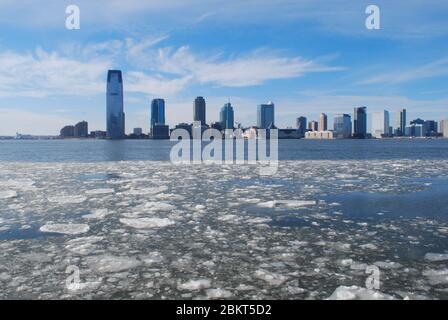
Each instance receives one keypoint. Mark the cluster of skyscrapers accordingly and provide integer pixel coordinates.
(343, 125)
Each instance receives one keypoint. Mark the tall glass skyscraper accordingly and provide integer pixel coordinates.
(342, 126)
(360, 123)
(400, 122)
(301, 124)
(115, 118)
(157, 112)
(226, 116)
(199, 110)
(323, 122)
(266, 115)
(380, 124)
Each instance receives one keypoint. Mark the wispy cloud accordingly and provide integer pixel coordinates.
(434, 69)
(80, 70)
(251, 69)
(41, 74)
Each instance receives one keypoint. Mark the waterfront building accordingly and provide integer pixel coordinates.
(414, 130)
(313, 126)
(266, 115)
(67, 132)
(360, 123)
(431, 128)
(301, 126)
(323, 122)
(342, 126)
(81, 130)
(115, 117)
(380, 124)
(226, 117)
(160, 131)
(289, 133)
(400, 123)
(199, 110)
(157, 112)
(138, 131)
(320, 135)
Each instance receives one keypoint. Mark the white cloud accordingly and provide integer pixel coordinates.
(434, 69)
(42, 74)
(80, 70)
(251, 69)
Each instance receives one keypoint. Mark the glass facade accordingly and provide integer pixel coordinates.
(199, 110)
(226, 116)
(157, 112)
(266, 115)
(342, 126)
(115, 121)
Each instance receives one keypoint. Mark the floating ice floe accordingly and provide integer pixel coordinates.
(147, 223)
(100, 191)
(109, 263)
(287, 203)
(159, 206)
(387, 265)
(218, 294)
(96, 214)
(71, 228)
(8, 194)
(83, 246)
(152, 257)
(19, 184)
(259, 220)
(271, 278)
(435, 257)
(67, 199)
(358, 293)
(83, 287)
(370, 246)
(193, 285)
(145, 191)
(436, 277)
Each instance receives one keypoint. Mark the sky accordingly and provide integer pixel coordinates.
(308, 57)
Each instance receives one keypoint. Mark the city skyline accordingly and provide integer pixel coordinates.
(343, 126)
(309, 59)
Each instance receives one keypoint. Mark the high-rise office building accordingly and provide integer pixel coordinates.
(342, 126)
(380, 124)
(157, 112)
(67, 132)
(158, 129)
(226, 116)
(313, 126)
(400, 120)
(444, 128)
(81, 129)
(415, 130)
(431, 128)
(301, 126)
(115, 116)
(360, 123)
(199, 111)
(266, 115)
(323, 122)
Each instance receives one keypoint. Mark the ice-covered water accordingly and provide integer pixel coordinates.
(148, 229)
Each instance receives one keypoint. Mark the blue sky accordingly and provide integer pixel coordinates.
(306, 56)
